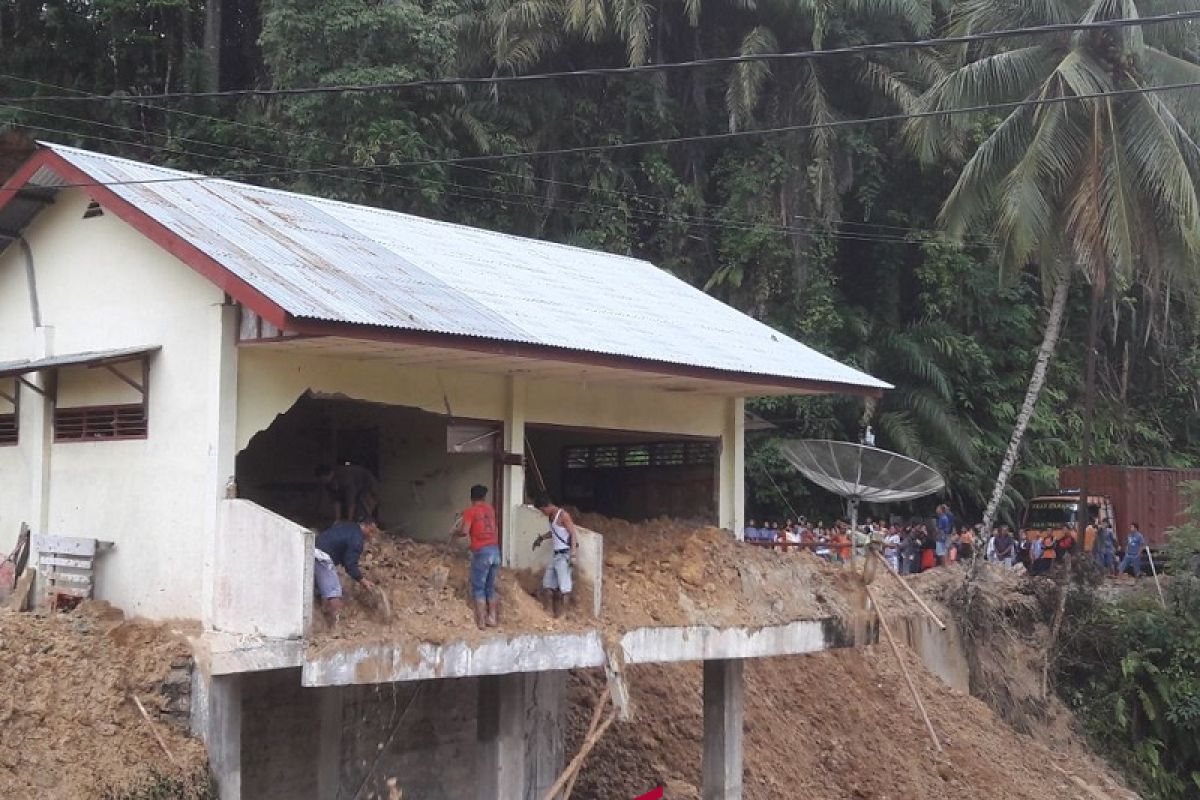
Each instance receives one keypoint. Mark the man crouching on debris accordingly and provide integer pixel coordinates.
(556, 583)
(341, 545)
(478, 523)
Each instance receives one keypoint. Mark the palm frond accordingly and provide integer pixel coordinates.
(748, 77)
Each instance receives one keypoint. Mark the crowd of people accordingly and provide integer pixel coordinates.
(914, 545)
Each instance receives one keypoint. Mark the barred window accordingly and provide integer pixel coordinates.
(93, 423)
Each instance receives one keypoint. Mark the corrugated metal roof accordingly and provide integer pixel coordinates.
(325, 260)
(92, 358)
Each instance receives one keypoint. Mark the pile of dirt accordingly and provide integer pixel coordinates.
(839, 724)
(658, 573)
(68, 725)
(1003, 619)
(666, 572)
(428, 592)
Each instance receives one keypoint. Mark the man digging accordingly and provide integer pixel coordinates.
(556, 583)
(340, 545)
(478, 523)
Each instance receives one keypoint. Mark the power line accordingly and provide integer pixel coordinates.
(888, 234)
(644, 215)
(707, 137)
(489, 80)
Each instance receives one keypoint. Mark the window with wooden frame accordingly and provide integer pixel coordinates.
(108, 422)
(10, 413)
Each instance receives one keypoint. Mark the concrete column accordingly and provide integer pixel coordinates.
(732, 503)
(221, 404)
(217, 720)
(331, 705)
(723, 721)
(521, 734)
(40, 419)
(513, 476)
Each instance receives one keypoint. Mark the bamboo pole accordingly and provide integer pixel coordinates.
(912, 687)
(154, 730)
(912, 593)
(596, 712)
(577, 761)
(1157, 584)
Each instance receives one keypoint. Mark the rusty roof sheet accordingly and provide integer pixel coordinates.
(326, 260)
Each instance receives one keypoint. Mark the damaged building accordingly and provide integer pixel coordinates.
(178, 354)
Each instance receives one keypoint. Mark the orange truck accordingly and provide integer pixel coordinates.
(1153, 497)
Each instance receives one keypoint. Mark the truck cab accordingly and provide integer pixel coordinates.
(1059, 512)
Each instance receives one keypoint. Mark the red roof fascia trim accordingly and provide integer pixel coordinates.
(20, 178)
(158, 233)
(498, 347)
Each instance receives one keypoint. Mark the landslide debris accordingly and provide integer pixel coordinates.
(68, 728)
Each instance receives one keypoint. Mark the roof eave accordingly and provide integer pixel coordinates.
(152, 229)
(497, 347)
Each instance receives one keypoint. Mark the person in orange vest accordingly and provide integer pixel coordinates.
(842, 540)
(1048, 556)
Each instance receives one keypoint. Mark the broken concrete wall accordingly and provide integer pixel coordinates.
(531, 523)
(263, 568)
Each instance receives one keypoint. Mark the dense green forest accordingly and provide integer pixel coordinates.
(841, 236)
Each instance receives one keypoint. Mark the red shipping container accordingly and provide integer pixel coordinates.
(1153, 497)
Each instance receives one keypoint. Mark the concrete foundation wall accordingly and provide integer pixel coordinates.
(280, 737)
(263, 573)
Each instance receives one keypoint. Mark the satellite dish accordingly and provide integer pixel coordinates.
(859, 472)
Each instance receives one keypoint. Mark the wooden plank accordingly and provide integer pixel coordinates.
(57, 577)
(65, 545)
(69, 592)
(58, 561)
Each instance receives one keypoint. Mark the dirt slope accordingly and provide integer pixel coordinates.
(827, 726)
(68, 729)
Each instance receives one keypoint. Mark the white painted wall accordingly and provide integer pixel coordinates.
(263, 572)
(102, 285)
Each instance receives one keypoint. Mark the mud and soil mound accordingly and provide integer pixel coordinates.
(658, 573)
(428, 592)
(69, 728)
(828, 726)
(667, 572)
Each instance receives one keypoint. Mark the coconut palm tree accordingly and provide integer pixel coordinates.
(1102, 190)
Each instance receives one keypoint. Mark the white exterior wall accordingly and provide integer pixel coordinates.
(102, 285)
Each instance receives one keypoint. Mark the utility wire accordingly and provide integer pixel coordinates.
(489, 80)
(708, 137)
(644, 215)
(828, 228)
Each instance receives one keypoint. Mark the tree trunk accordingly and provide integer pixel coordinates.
(1083, 518)
(1036, 382)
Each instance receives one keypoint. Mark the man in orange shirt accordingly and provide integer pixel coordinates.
(478, 523)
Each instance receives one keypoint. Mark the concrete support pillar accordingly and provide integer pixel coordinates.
(331, 709)
(220, 388)
(732, 480)
(217, 720)
(513, 476)
(40, 419)
(724, 710)
(521, 734)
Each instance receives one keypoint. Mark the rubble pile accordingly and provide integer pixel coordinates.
(839, 724)
(428, 591)
(658, 573)
(667, 572)
(69, 727)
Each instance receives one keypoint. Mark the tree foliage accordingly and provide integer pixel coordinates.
(830, 236)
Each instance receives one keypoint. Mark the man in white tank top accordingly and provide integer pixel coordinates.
(556, 582)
